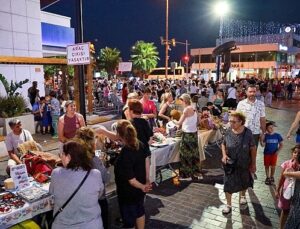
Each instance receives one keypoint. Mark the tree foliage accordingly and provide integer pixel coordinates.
(13, 86)
(108, 59)
(12, 104)
(144, 57)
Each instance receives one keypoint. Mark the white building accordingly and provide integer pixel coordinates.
(26, 31)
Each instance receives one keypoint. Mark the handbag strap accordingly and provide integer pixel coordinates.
(71, 197)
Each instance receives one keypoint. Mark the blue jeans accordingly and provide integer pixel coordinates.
(54, 124)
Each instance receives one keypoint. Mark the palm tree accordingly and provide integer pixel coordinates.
(144, 57)
(108, 60)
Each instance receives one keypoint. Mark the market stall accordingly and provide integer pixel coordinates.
(23, 198)
(162, 155)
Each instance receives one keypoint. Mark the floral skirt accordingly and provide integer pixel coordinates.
(189, 155)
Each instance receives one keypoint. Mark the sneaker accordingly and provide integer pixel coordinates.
(55, 136)
(226, 210)
(267, 181)
(272, 180)
(243, 200)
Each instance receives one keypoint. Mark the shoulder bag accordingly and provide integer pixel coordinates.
(70, 198)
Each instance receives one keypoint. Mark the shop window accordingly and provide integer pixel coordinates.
(247, 57)
(281, 57)
(235, 57)
(206, 59)
(266, 56)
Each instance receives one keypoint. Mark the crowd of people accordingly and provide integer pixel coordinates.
(148, 107)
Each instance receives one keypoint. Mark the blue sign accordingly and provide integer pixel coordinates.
(57, 36)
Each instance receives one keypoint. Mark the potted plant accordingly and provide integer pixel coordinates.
(13, 105)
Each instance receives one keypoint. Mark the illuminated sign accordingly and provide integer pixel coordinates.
(57, 36)
(283, 48)
(78, 54)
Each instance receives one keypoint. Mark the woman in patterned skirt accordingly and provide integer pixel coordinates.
(189, 154)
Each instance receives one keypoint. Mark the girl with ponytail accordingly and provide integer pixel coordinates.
(131, 176)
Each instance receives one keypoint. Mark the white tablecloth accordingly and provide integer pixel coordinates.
(28, 211)
(164, 156)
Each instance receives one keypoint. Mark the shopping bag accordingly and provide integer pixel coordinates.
(289, 191)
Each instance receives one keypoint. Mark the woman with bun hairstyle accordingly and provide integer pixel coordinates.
(87, 136)
(131, 169)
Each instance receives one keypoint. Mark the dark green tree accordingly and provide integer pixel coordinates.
(144, 57)
(13, 86)
(108, 60)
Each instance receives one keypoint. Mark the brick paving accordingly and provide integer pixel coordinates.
(199, 204)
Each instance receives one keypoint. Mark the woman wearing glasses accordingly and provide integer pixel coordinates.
(239, 159)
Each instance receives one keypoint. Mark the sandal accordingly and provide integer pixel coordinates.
(243, 200)
(197, 176)
(184, 178)
(226, 210)
(268, 181)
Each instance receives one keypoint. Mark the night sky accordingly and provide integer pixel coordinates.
(120, 23)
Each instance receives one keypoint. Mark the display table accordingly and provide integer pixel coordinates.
(205, 137)
(28, 211)
(164, 156)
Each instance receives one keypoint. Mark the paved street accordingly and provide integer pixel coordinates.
(199, 204)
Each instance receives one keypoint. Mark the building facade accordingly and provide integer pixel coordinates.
(26, 31)
(264, 56)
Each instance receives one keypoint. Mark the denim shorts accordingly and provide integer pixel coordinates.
(130, 212)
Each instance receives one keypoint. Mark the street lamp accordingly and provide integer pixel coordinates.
(221, 9)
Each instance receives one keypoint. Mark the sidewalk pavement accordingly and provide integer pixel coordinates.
(199, 204)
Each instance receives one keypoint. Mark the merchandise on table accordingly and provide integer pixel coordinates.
(33, 193)
(9, 184)
(10, 201)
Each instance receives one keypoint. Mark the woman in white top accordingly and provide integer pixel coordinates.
(189, 154)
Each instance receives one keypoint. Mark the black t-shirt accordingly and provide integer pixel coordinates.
(130, 164)
(143, 129)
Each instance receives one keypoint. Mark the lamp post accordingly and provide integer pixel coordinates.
(221, 9)
(167, 39)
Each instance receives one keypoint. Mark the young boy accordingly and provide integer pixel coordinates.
(273, 144)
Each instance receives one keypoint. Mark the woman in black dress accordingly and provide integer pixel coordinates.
(239, 159)
(131, 168)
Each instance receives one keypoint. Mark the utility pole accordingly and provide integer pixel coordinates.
(187, 54)
(167, 39)
(79, 39)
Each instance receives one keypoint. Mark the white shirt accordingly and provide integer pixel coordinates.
(189, 124)
(253, 112)
(12, 141)
(193, 89)
(231, 93)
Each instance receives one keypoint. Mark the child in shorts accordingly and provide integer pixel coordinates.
(273, 143)
(283, 204)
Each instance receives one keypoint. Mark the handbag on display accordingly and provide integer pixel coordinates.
(289, 191)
